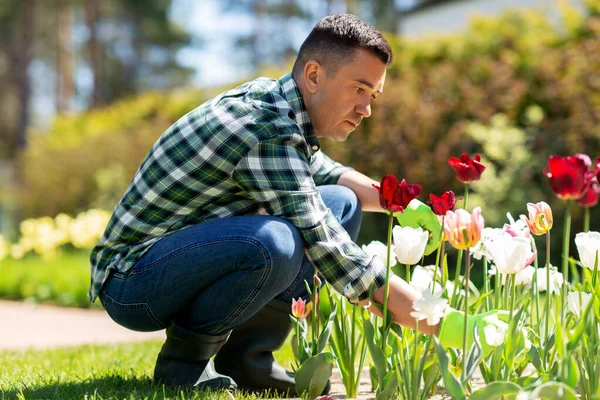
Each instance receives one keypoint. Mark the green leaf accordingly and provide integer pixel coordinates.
(474, 355)
(376, 351)
(313, 374)
(496, 390)
(473, 307)
(374, 379)
(572, 372)
(326, 332)
(554, 390)
(534, 356)
(451, 383)
(391, 383)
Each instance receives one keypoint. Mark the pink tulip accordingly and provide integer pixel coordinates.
(462, 229)
(540, 218)
(298, 308)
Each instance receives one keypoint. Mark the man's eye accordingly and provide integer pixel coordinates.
(374, 97)
(359, 90)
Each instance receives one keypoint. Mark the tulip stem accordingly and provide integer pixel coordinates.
(586, 219)
(486, 284)
(466, 196)
(498, 288)
(437, 260)
(535, 295)
(300, 344)
(415, 388)
(548, 287)
(465, 327)
(387, 284)
(565, 259)
(512, 295)
(456, 279)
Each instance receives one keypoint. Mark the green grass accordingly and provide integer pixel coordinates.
(63, 281)
(96, 372)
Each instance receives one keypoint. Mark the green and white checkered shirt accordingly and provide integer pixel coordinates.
(250, 150)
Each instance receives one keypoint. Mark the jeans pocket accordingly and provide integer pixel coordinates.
(135, 316)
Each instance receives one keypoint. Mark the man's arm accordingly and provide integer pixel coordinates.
(362, 185)
(400, 300)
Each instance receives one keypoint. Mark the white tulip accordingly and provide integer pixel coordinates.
(510, 254)
(494, 335)
(422, 278)
(379, 250)
(430, 307)
(409, 243)
(481, 248)
(588, 246)
(577, 304)
(556, 279)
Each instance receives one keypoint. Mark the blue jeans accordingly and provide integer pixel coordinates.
(212, 277)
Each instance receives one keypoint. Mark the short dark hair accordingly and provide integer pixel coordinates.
(334, 39)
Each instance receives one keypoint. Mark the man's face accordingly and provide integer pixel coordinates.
(340, 102)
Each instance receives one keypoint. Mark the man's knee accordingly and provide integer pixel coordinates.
(284, 247)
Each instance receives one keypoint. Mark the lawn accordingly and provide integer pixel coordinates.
(121, 371)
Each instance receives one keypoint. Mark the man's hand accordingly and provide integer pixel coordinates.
(418, 214)
(491, 327)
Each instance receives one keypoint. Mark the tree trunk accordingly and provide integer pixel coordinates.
(386, 15)
(66, 58)
(259, 9)
(95, 52)
(22, 56)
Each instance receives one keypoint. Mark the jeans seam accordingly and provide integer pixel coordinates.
(254, 292)
(293, 285)
(180, 250)
(141, 306)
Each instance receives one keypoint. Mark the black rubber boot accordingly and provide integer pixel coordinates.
(248, 355)
(184, 360)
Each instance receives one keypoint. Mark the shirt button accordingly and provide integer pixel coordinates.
(315, 147)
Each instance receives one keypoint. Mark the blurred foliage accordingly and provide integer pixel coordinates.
(63, 280)
(516, 88)
(517, 81)
(88, 160)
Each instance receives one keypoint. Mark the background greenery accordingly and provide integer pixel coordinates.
(516, 89)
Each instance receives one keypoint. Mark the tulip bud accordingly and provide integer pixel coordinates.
(467, 170)
(540, 218)
(462, 229)
(317, 281)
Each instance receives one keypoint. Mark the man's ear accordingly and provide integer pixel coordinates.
(313, 72)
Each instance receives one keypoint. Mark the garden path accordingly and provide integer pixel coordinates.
(42, 326)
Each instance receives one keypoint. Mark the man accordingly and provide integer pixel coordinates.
(234, 207)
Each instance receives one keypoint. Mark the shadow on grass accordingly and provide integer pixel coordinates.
(117, 387)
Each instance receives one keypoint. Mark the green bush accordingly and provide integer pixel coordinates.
(63, 280)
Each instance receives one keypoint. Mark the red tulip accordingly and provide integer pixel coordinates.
(394, 196)
(465, 169)
(590, 198)
(442, 204)
(570, 176)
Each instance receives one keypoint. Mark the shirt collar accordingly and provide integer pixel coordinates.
(294, 97)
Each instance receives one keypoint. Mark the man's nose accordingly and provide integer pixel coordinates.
(363, 109)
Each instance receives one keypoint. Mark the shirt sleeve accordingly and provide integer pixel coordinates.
(324, 170)
(277, 174)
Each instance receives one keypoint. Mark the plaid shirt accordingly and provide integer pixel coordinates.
(250, 150)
